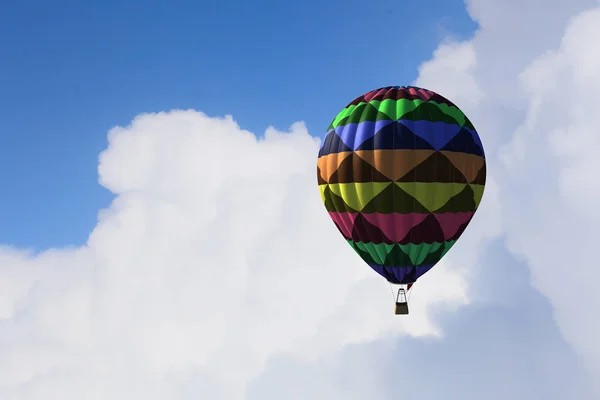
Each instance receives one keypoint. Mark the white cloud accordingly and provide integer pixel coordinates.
(559, 236)
(450, 71)
(506, 346)
(215, 255)
(539, 109)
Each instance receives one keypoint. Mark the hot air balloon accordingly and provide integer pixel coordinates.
(401, 172)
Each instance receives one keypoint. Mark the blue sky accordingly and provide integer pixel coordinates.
(72, 70)
(212, 270)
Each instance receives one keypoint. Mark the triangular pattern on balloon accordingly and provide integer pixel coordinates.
(354, 134)
(463, 143)
(452, 222)
(333, 144)
(330, 163)
(422, 192)
(375, 253)
(395, 136)
(364, 231)
(394, 200)
(437, 134)
(462, 202)
(478, 193)
(468, 164)
(394, 225)
(355, 169)
(418, 251)
(333, 202)
(428, 231)
(357, 195)
(399, 110)
(410, 94)
(429, 112)
(480, 178)
(344, 221)
(401, 274)
(436, 168)
(394, 164)
(393, 254)
(435, 256)
(401, 255)
(320, 179)
(397, 257)
(364, 113)
(369, 256)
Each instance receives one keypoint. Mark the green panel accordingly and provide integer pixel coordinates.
(394, 110)
(399, 254)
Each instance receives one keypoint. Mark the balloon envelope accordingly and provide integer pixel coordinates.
(401, 173)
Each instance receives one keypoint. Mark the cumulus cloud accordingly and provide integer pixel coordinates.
(504, 344)
(215, 255)
(560, 136)
(538, 109)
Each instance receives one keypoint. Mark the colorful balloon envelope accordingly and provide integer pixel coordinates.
(401, 173)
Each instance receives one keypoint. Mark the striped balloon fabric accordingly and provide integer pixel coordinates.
(401, 172)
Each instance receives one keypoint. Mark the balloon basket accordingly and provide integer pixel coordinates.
(401, 308)
(401, 302)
